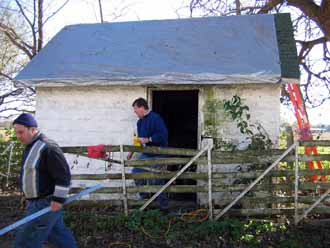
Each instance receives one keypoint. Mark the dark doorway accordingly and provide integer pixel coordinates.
(179, 109)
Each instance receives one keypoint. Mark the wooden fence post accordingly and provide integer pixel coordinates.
(296, 184)
(209, 163)
(123, 179)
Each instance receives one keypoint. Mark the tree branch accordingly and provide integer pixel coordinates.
(307, 46)
(40, 25)
(6, 76)
(319, 14)
(31, 24)
(23, 13)
(55, 12)
(16, 40)
(269, 6)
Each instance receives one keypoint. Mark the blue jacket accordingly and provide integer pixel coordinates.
(152, 126)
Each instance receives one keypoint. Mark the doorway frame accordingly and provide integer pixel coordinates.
(151, 89)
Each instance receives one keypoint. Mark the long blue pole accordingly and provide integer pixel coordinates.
(47, 209)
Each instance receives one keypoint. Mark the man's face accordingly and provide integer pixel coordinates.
(25, 134)
(139, 111)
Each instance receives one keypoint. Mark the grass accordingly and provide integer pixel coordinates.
(152, 229)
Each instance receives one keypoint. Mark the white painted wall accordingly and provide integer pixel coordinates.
(264, 104)
(78, 116)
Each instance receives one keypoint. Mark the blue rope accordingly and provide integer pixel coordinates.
(47, 209)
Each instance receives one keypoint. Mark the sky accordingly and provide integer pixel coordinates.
(87, 11)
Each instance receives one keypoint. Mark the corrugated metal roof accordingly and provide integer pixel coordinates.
(213, 50)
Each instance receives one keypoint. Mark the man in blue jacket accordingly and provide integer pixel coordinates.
(152, 131)
(45, 181)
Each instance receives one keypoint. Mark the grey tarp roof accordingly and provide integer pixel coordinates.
(213, 50)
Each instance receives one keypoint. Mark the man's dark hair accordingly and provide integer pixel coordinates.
(141, 102)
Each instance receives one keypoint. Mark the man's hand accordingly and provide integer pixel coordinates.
(143, 141)
(55, 206)
(23, 203)
(129, 155)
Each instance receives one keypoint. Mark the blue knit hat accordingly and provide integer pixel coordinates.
(26, 120)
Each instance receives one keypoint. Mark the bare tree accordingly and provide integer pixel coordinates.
(311, 21)
(22, 37)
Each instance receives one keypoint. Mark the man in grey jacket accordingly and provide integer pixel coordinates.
(45, 180)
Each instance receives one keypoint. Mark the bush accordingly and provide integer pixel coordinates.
(11, 152)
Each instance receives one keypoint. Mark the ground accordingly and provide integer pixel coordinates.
(102, 227)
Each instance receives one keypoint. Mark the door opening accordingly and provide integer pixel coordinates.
(179, 109)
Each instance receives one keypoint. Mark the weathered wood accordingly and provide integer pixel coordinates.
(296, 185)
(321, 157)
(160, 161)
(229, 158)
(201, 175)
(218, 157)
(82, 150)
(123, 179)
(219, 187)
(128, 148)
(315, 143)
(150, 188)
(302, 172)
(75, 150)
(146, 175)
(216, 188)
(249, 156)
(247, 153)
(279, 173)
(263, 159)
(251, 185)
(210, 170)
(181, 171)
(162, 150)
(310, 209)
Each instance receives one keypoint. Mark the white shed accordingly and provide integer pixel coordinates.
(88, 75)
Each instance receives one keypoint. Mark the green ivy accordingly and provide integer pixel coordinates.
(240, 114)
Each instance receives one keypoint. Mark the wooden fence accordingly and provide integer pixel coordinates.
(272, 182)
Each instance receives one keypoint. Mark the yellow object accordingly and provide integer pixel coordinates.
(136, 141)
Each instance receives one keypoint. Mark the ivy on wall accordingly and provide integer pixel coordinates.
(217, 112)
